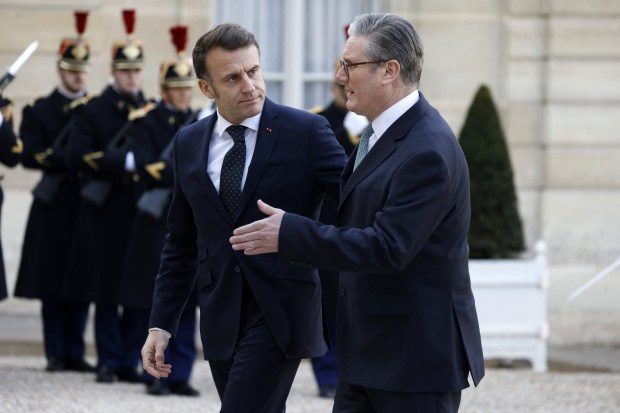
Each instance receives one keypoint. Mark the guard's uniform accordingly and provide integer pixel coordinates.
(45, 129)
(43, 267)
(99, 150)
(102, 232)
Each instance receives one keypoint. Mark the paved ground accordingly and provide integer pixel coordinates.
(584, 361)
(27, 388)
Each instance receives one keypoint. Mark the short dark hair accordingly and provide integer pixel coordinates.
(228, 36)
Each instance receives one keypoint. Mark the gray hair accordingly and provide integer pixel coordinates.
(391, 37)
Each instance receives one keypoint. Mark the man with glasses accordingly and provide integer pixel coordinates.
(408, 334)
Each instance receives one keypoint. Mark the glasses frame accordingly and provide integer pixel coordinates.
(345, 66)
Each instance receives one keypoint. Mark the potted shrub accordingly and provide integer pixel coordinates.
(510, 291)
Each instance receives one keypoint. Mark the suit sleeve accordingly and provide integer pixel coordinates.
(177, 273)
(327, 158)
(403, 223)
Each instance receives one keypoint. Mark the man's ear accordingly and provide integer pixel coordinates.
(392, 71)
(206, 88)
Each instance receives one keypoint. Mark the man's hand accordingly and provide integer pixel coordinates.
(259, 237)
(153, 355)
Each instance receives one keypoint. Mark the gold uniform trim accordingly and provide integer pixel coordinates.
(141, 112)
(154, 169)
(89, 159)
(18, 148)
(41, 157)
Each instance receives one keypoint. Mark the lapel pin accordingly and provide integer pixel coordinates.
(268, 130)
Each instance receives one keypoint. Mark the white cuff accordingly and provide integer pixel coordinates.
(163, 331)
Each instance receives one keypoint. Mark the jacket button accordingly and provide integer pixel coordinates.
(343, 292)
(237, 269)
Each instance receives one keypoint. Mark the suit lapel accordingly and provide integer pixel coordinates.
(382, 149)
(268, 130)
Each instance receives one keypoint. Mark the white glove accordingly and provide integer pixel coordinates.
(355, 123)
(130, 162)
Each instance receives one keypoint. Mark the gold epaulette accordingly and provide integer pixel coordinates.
(317, 109)
(141, 112)
(80, 101)
(33, 101)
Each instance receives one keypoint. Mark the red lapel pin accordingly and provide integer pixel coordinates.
(268, 130)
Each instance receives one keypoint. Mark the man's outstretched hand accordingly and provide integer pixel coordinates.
(259, 237)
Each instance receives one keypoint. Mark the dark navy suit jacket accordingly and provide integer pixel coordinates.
(296, 161)
(406, 314)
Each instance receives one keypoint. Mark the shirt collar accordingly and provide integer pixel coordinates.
(391, 114)
(250, 123)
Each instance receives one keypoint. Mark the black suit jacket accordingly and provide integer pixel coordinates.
(295, 162)
(406, 315)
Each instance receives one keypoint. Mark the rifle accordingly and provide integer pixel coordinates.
(47, 188)
(154, 202)
(12, 70)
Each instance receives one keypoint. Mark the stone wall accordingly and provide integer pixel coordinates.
(553, 67)
(23, 21)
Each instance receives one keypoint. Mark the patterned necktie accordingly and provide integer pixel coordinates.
(232, 170)
(362, 148)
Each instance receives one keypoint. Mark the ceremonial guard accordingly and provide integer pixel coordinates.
(100, 150)
(152, 146)
(10, 153)
(45, 127)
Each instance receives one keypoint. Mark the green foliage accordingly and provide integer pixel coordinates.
(496, 230)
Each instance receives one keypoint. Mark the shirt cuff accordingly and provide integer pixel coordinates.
(162, 330)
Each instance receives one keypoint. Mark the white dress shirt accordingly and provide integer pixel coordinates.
(221, 142)
(391, 115)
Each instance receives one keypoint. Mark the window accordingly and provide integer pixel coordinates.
(300, 42)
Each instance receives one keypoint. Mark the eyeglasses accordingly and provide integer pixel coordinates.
(346, 65)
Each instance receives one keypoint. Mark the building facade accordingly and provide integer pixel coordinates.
(553, 67)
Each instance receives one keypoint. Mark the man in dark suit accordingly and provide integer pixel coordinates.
(258, 319)
(408, 333)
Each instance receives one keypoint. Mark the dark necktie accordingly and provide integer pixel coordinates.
(232, 170)
(362, 148)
